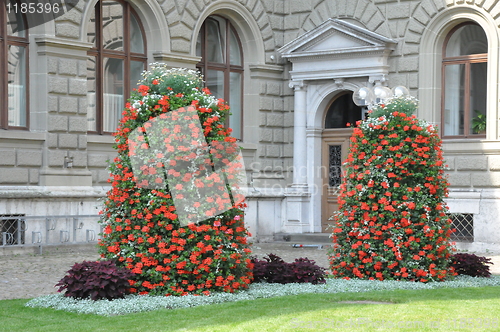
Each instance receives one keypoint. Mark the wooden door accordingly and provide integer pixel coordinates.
(335, 148)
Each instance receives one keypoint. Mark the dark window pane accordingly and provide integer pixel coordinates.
(235, 101)
(342, 111)
(477, 91)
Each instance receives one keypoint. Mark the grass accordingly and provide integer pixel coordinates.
(445, 309)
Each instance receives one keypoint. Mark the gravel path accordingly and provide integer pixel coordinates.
(29, 275)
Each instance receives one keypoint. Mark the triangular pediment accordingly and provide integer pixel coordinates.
(334, 37)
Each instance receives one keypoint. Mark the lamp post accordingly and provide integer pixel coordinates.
(368, 97)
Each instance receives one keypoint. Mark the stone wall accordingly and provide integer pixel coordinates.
(20, 159)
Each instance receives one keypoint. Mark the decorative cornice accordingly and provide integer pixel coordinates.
(374, 79)
(259, 70)
(357, 52)
(339, 82)
(176, 58)
(329, 74)
(67, 48)
(297, 85)
(314, 132)
(63, 43)
(265, 67)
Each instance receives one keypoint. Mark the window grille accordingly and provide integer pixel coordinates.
(335, 166)
(12, 229)
(463, 223)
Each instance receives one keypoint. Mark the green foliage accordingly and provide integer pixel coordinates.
(479, 123)
(392, 221)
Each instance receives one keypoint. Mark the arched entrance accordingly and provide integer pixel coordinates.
(335, 147)
(333, 59)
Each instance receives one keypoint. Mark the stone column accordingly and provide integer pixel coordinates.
(299, 135)
(298, 196)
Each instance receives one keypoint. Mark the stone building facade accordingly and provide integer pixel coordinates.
(299, 62)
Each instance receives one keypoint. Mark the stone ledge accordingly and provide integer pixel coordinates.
(16, 192)
(48, 249)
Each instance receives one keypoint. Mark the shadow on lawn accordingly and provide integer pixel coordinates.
(267, 310)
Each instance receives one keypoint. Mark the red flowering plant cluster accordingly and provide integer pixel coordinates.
(392, 222)
(173, 216)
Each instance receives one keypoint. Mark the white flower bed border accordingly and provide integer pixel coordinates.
(137, 303)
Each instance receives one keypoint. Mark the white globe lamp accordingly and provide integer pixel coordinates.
(363, 96)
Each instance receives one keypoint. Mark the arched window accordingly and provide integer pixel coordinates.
(342, 111)
(221, 64)
(13, 67)
(115, 63)
(465, 64)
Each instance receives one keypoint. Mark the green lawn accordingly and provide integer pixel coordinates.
(450, 309)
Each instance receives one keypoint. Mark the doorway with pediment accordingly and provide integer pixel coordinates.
(328, 63)
(334, 150)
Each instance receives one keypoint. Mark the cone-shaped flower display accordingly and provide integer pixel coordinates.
(174, 214)
(392, 221)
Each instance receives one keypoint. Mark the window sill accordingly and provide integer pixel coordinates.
(100, 139)
(21, 135)
(471, 146)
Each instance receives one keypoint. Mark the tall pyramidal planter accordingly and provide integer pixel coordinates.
(174, 215)
(392, 222)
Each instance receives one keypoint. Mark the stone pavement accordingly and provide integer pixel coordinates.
(32, 275)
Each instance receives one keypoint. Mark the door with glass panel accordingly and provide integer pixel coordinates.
(335, 148)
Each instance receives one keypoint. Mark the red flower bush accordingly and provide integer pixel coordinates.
(392, 221)
(142, 227)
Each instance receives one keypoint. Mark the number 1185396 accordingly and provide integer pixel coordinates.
(33, 8)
